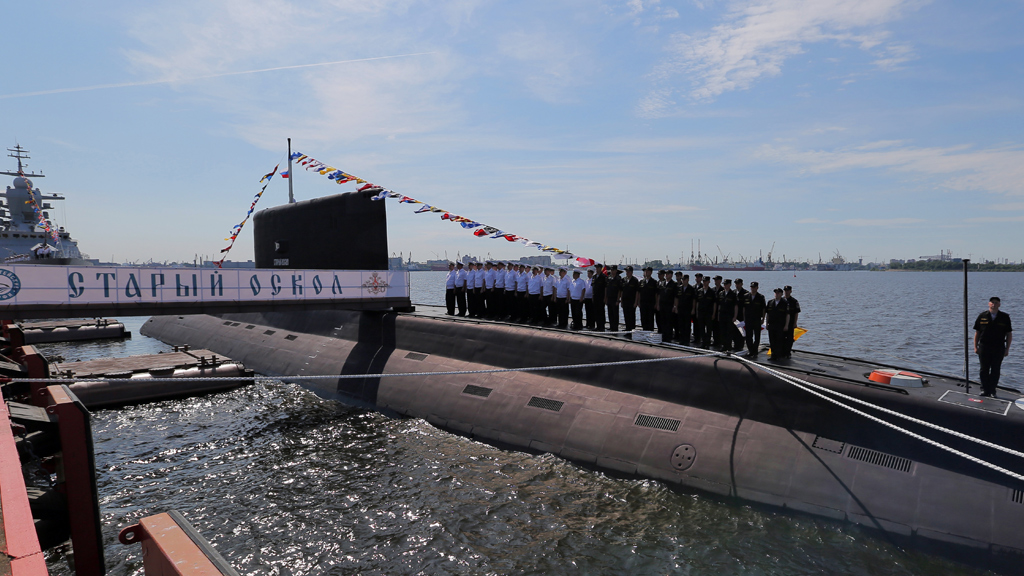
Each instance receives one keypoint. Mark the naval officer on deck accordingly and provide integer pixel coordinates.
(992, 337)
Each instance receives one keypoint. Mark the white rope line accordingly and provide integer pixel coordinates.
(380, 375)
(804, 385)
(796, 382)
(927, 424)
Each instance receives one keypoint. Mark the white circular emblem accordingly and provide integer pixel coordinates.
(9, 284)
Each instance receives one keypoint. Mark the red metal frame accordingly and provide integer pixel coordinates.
(79, 479)
(20, 542)
(171, 546)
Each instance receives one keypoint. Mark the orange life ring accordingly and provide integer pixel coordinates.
(897, 378)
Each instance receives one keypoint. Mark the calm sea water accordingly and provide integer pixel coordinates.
(282, 482)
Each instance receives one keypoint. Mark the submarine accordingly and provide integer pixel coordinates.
(914, 457)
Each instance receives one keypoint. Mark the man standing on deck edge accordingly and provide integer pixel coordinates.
(992, 337)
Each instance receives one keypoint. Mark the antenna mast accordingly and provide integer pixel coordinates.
(21, 154)
(291, 193)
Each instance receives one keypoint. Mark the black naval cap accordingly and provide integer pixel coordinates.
(629, 268)
(778, 290)
(727, 281)
(754, 284)
(718, 277)
(616, 271)
(790, 288)
(614, 267)
(598, 265)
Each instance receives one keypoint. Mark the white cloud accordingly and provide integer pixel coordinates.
(757, 37)
(995, 170)
(984, 219)
(183, 40)
(863, 221)
(880, 221)
(548, 61)
(1010, 206)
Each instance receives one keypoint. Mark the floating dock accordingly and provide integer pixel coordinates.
(137, 379)
(45, 332)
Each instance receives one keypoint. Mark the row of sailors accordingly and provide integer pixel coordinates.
(704, 315)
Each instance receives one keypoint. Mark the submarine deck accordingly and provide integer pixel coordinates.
(937, 387)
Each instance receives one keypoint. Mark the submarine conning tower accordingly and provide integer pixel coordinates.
(345, 231)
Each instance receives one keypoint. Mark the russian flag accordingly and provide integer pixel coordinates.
(283, 174)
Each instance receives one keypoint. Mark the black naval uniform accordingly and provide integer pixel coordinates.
(991, 347)
(742, 296)
(685, 295)
(597, 286)
(726, 309)
(666, 298)
(753, 316)
(630, 287)
(706, 300)
(716, 330)
(612, 293)
(794, 309)
(648, 296)
(777, 314)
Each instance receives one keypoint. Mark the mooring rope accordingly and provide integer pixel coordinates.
(809, 387)
(806, 386)
(379, 375)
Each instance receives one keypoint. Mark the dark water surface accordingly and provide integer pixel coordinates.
(282, 482)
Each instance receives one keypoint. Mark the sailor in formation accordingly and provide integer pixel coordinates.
(562, 299)
(577, 288)
(588, 299)
(725, 316)
(449, 289)
(629, 297)
(777, 316)
(753, 316)
(460, 287)
(599, 284)
(647, 299)
(613, 298)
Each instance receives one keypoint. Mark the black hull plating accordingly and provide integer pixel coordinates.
(710, 424)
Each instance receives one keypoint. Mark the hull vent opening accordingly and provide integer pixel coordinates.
(879, 458)
(546, 403)
(1018, 496)
(834, 446)
(477, 391)
(236, 323)
(228, 323)
(250, 326)
(269, 332)
(648, 421)
(416, 356)
(291, 337)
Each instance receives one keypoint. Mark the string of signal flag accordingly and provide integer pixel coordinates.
(479, 229)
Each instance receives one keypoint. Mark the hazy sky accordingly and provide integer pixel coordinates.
(879, 128)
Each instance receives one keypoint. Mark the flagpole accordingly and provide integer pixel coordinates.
(967, 341)
(291, 193)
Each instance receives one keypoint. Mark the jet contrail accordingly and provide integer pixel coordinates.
(194, 78)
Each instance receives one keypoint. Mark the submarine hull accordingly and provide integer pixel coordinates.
(712, 424)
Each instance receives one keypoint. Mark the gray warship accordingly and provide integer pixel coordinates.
(24, 238)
